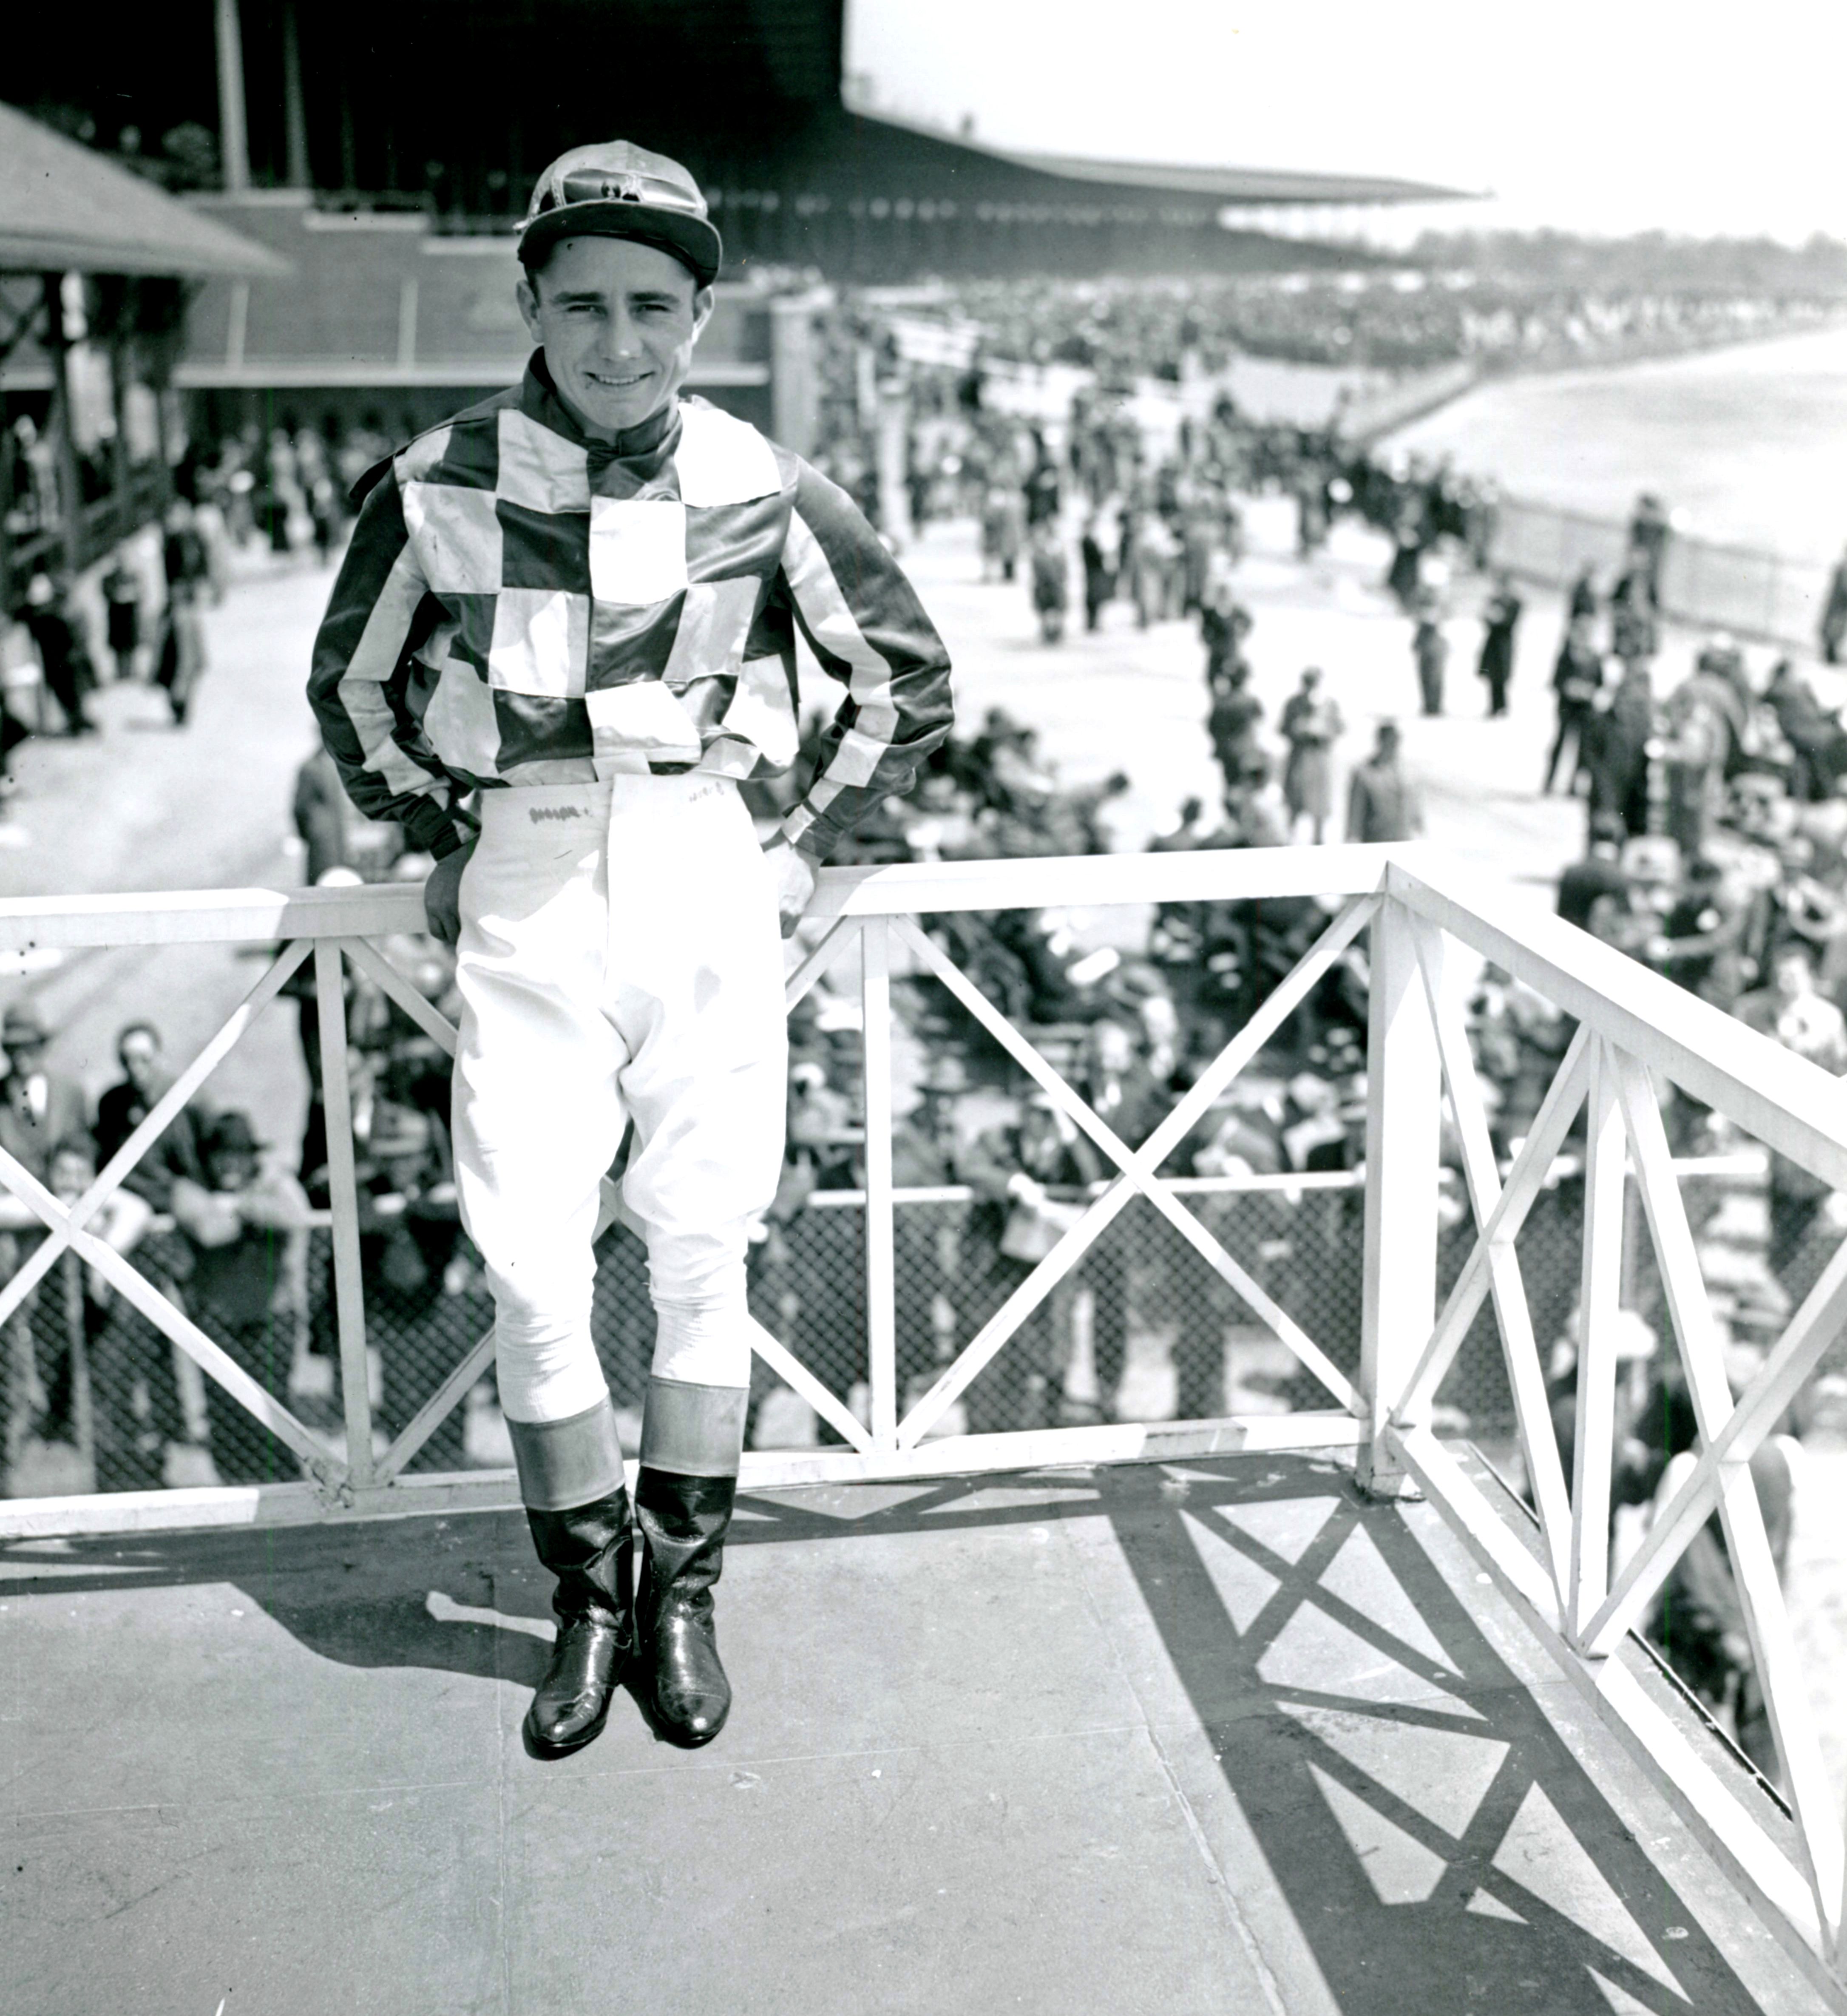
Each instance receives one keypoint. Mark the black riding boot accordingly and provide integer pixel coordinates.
(691, 1437)
(589, 1545)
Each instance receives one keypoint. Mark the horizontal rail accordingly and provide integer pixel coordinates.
(234, 916)
(1788, 1103)
(1095, 880)
(208, 916)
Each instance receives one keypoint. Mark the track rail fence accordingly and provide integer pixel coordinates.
(1777, 598)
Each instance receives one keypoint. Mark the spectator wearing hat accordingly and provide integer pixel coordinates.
(1792, 1011)
(1100, 551)
(1311, 725)
(1583, 598)
(246, 1231)
(1233, 721)
(1430, 649)
(1577, 679)
(1031, 1177)
(1125, 1094)
(1051, 578)
(1649, 528)
(1704, 722)
(322, 815)
(581, 598)
(1834, 615)
(1502, 619)
(1634, 632)
(1599, 873)
(121, 596)
(1614, 742)
(64, 656)
(38, 1108)
(1701, 947)
(1814, 736)
(1383, 804)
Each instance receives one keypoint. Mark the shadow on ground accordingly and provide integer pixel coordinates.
(1441, 1849)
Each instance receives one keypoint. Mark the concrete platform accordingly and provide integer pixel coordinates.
(1215, 1737)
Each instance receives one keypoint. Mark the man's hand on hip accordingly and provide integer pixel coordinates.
(442, 896)
(794, 879)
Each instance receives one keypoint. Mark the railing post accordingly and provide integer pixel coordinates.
(881, 1309)
(1404, 1092)
(349, 1288)
(1599, 1302)
(83, 1411)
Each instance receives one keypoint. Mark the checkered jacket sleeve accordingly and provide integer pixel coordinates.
(360, 685)
(867, 627)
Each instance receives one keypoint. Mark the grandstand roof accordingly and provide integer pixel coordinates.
(1221, 185)
(64, 209)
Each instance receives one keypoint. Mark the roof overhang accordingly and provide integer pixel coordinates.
(1229, 186)
(64, 209)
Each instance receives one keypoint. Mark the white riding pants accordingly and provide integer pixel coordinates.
(620, 961)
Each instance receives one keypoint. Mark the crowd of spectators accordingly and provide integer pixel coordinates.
(1133, 1025)
(1717, 853)
(1388, 317)
(285, 491)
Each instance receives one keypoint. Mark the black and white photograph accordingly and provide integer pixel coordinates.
(923, 1008)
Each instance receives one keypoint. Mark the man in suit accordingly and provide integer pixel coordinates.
(39, 1108)
(122, 1108)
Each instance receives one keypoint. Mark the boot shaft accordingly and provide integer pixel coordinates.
(684, 1521)
(590, 1549)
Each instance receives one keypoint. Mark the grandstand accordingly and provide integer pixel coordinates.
(384, 151)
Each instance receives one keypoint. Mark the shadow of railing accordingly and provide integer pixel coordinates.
(1437, 1843)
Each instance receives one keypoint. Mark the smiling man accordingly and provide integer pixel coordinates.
(563, 632)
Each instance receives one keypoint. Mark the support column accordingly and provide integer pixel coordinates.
(1404, 1094)
(880, 1262)
(234, 145)
(349, 1288)
(1606, 1154)
(294, 104)
(70, 497)
(349, 139)
(794, 388)
(9, 457)
(892, 444)
(121, 477)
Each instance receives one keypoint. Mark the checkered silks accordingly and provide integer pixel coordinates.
(520, 605)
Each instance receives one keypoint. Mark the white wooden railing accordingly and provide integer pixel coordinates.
(1634, 1029)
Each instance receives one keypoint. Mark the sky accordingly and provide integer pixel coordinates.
(1602, 116)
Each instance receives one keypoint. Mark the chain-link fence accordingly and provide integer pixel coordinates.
(94, 1397)
(1756, 594)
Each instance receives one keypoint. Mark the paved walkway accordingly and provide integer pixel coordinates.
(1135, 701)
(1179, 1739)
